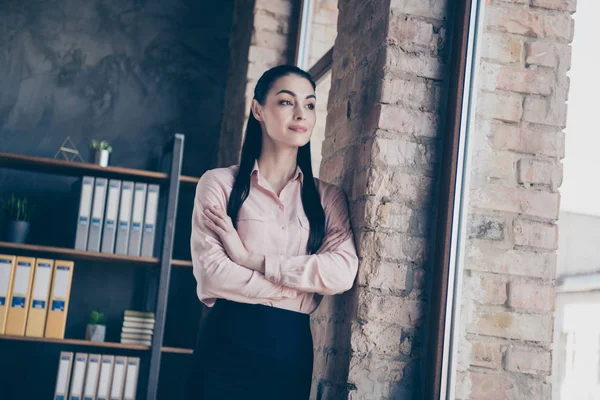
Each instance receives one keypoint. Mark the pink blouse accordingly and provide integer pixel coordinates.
(276, 227)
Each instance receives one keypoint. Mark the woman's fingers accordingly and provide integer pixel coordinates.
(215, 219)
(212, 226)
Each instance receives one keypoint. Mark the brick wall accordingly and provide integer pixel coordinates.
(263, 35)
(381, 146)
(508, 290)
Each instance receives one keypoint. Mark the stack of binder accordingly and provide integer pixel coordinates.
(117, 217)
(34, 296)
(95, 376)
(138, 327)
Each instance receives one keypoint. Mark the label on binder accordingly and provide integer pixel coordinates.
(18, 302)
(58, 305)
(38, 304)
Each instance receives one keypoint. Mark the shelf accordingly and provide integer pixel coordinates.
(177, 350)
(78, 169)
(189, 179)
(87, 255)
(78, 254)
(72, 168)
(77, 342)
(181, 263)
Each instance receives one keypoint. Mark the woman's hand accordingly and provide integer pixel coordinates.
(219, 222)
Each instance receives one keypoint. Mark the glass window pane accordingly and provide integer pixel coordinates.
(578, 270)
(323, 29)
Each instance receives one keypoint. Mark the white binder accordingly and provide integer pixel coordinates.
(131, 379)
(78, 376)
(62, 377)
(85, 207)
(110, 219)
(124, 217)
(97, 214)
(118, 379)
(137, 219)
(105, 380)
(150, 221)
(91, 377)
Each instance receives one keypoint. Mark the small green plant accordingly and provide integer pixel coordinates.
(18, 209)
(100, 145)
(96, 318)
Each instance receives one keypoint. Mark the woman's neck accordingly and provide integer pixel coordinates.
(278, 168)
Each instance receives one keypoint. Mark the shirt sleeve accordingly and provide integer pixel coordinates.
(326, 273)
(217, 276)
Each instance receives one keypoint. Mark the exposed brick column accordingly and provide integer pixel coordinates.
(380, 145)
(263, 35)
(508, 294)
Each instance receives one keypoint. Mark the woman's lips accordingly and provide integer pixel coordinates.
(298, 128)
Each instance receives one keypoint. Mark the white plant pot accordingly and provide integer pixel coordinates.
(101, 157)
(95, 333)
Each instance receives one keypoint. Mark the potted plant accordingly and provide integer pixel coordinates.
(100, 152)
(95, 330)
(17, 217)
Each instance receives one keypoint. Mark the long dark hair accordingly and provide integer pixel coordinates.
(252, 148)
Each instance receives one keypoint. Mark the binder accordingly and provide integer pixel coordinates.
(97, 215)
(131, 379)
(118, 379)
(150, 221)
(137, 219)
(110, 220)
(85, 208)
(78, 376)
(91, 377)
(105, 380)
(59, 299)
(38, 305)
(7, 273)
(62, 377)
(124, 217)
(21, 290)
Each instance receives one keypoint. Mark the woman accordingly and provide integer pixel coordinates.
(268, 241)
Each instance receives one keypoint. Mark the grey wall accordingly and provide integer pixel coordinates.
(130, 71)
(133, 72)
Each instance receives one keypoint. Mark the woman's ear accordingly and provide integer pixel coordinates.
(256, 110)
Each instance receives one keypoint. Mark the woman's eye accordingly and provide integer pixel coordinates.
(285, 103)
(310, 106)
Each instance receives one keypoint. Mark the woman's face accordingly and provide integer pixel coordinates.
(288, 115)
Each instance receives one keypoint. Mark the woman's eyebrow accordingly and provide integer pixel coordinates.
(294, 94)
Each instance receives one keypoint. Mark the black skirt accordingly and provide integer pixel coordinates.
(250, 351)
